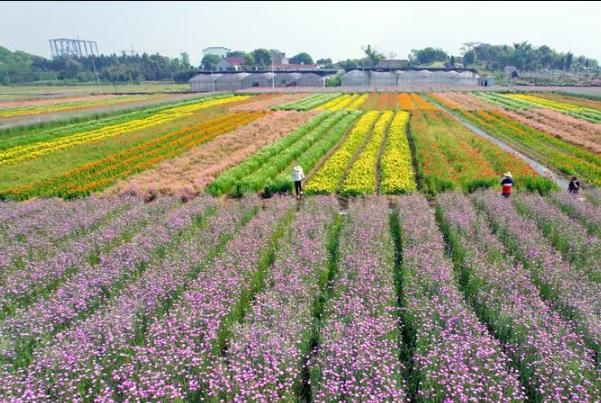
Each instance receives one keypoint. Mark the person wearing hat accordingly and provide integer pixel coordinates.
(574, 186)
(507, 184)
(297, 176)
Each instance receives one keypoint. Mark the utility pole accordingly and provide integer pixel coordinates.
(96, 74)
(272, 75)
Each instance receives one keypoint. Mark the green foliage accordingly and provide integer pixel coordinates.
(311, 156)
(283, 161)
(209, 62)
(20, 67)
(429, 55)
(228, 179)
(334, 81)
(301, 58)
(525, 57)
(261, 57)
(372, 56)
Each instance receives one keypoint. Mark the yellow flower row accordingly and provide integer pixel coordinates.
(560, 106)
(361, 179)
(357, 103)
(396, 166)
(338, 102)
(16, 111)
(33, 150)
(327, 178)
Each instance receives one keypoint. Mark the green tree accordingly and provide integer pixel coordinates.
(236, 53)
(567, 61)
(334, 81)
(185, 60)
(372, 55)
(301, 58)
(261, 57)
(469, 58)
(209, 62)
(429, 55)
(452, 62)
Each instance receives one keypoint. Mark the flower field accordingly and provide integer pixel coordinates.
(39, 107)
(450, 156)
(555, 152)
(477, 298)
(155, 254)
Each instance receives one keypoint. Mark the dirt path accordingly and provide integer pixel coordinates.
(537, 166)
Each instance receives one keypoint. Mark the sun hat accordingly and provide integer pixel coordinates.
(508, 174)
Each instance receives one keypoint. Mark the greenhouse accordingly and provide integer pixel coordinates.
(354, 78)
(382, 79)
(258, 80)
(203, 82)
(287, 79)
(231, 82)
(310, 80)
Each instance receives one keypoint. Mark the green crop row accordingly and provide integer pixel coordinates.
(227, 180)
(256, 181)
(308, 103)
(310, 158)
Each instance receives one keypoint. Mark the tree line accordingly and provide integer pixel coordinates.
(260, 59)
(21, 67)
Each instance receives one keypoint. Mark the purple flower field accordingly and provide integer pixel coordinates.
(462, 298)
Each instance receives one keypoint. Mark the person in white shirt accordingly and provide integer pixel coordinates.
(297, 176)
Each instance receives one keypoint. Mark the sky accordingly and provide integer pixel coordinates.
(323, 29)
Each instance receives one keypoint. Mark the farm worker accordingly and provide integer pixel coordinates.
(297, 176)
(574, 186)
(507, 184)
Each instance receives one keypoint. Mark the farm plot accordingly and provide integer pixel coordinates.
(269, 169)
(554, 152)
(346, 101)
(190, 173)
(592, 115)
(40, 107)
(414, 102)
(450, 156)
(526, 101)
(327, 179)
(100, 173)
(593, 102)
(573, 130)
(249, 299)
(388, 101)
(462, 101)
(306, 104)
(32, 147)
(271, 101)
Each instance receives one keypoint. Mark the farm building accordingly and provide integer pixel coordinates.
(219, 51)
(230, 64)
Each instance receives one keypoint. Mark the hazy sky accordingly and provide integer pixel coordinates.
(324, 29)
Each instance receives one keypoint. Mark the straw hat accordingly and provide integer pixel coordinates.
(508, 174)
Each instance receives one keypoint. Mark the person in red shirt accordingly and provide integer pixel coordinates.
(507, 184)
